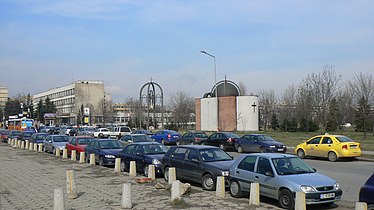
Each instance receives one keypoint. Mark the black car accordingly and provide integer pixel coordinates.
(223, 140)
(258, 143)
(367, 193)
(197, 163)
(105, 150)
(144, 154)
(192, 137)
(38, 137)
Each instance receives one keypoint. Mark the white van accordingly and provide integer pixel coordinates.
(118, 132)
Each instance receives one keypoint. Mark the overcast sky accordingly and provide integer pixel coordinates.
(125, 43)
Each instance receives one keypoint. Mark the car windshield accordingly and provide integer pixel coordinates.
(343, 139)
(41, 136)
(27, 134)
(141, 138)
(107, 144)
(291, 165)
(60, 139)
(264, 138)
(172, 132)
(6, 132)
(214, 154)
(84, 141)
(125, 129)
(155, 149)
(15, 133)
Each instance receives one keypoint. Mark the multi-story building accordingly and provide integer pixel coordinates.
(69, 100)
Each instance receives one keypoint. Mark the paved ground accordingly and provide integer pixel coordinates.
(27, 181)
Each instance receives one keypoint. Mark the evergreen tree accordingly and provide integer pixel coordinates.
(274, 122)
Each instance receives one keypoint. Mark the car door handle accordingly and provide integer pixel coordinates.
(237, 172)
(256, 177)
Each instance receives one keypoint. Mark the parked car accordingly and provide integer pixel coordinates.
(118, 132)
(38, 137)
(280, 176)
(196, 163)
(73, 131)
(65, 130)
(101, 133)
(52, 142)
(4, 135)
(105, 150)
(78, 143)
(331, 146)
(144, 154)
(367, 193)
(258, 143)
(192, 137)
(14, 134)
(25, 135)
(53, 131)
(146, 132)
(223, 140)
(85, 131)
(166, 136)
(131, 138)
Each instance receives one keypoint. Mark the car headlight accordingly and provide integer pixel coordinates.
(225, 173)
(156, 162)
(61, 147)
(272, 146)
(336, 186)
(109, 156)
(307, 189)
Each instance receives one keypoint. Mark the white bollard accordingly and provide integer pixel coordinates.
(220, 187)
(82, 157)
(59, 200)
(361, 206)
(19, 143)
(175, 190)
(22, 145)
(126, 201)
(152, 172)
(300, 203)
(74, 155)
(65, 153)
(172, 175)
(254, 196)
(27, 144)
(40, 148)
(31, 146)
(92, 159)
(117, 165)
(132, 168)
(9, 141)
(57, 152)
(70, 185)
(35, 147)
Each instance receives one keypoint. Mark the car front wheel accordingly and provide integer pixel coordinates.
(235, 190)
(300, 153)
(208, 182)
(166, 174)
(285, 199)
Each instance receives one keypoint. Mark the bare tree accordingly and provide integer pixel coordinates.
(136, 111)
(242, 88)
(105, 109)
(267, 103)
(288, 103)
(182, 105)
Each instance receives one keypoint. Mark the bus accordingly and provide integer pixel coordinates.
(20, 123)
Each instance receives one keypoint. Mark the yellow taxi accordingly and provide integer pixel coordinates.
(331, 146)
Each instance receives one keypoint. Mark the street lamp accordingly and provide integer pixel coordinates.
(215, 83)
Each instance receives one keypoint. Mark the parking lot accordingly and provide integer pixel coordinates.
(28, 178)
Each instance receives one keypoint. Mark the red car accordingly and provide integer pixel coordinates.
(4, 135)
(78, 143)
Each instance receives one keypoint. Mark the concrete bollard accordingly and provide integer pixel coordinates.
(59, 199)
(82, 157)
(31, 146)
(117, 166)
(300, 203)
(57, 152)
(40, 147)
(172, 175)
(220, 187)
(132, 168)
(126, 201)
(254, 195)
(361, 206)
(175, 190)
(152, 172)
(65, 153)
(74, 155)
(19, 143)
(22, 145)
(35, 147)
(71, 189)
(92, 159)
(27, 144)
(9, 141)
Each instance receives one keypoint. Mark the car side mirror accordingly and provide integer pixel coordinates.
(315, 170)
(269, 173)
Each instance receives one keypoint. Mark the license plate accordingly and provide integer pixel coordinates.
(353, 147)
(328, 195)
(279, 150)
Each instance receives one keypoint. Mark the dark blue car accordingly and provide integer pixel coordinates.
(166, 136)
(259, 143)
(367, 193)
(105, 150)
(144, 154)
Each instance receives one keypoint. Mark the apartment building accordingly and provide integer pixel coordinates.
(69, 99)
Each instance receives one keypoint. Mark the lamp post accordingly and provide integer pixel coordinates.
(215, 83)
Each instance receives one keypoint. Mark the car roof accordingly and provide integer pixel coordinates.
(270, 155)
(145, 142)
(197, 146)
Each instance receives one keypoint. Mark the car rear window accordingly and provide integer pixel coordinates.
(61, 138)
(343, 139)
(201, 135)
(125, 129)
